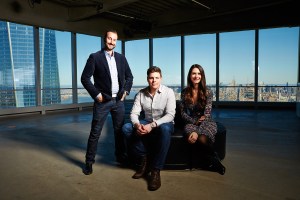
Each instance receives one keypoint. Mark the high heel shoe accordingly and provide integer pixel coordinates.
(216, 165)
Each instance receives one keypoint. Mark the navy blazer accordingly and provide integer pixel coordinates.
(97, 67)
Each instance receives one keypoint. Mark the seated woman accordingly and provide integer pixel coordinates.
(196, 106)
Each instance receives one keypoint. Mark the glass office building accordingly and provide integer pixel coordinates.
(17, 66)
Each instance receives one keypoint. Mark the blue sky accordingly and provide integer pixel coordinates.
(278, 56)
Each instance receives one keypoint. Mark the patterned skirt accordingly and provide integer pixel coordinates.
(207, 127)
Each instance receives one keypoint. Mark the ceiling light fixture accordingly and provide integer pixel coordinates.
(121, 15)
(201, 4)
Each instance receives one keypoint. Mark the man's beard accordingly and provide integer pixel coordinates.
(110, 48)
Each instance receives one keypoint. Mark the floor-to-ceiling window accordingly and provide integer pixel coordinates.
(237, 61)
(167, 56)
(86, 44)
(137, 54)
(55, 67)
(278, 64)
(118, 47)
(201, 49)
(17, 66)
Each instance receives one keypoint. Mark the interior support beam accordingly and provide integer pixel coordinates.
(82, 13)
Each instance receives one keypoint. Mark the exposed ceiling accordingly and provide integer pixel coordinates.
(136, 19)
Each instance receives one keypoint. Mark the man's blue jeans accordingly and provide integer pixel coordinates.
(154, 145)
(100, 112)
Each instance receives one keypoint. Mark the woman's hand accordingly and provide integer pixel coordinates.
(193, 137)
(202, 118)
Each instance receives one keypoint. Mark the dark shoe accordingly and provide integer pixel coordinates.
(216, 165)
(140, 172)
(154, 181)
(88, 169)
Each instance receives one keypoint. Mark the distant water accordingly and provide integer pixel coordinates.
(87, 99)
(84, 99)
(131, 95)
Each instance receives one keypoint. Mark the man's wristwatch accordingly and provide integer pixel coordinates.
(153, 124)
(136, 125)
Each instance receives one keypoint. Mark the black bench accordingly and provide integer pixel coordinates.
(181, 155)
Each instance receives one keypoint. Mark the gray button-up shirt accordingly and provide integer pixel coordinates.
(160, 108)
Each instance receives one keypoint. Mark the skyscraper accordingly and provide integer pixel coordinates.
(17, 68)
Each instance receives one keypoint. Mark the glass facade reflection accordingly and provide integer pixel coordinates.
(49, 68)
(17, 66)
(17, 71)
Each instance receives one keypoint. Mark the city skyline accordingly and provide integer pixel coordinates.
(278, 56)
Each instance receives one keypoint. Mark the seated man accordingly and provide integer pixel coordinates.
(149, 138)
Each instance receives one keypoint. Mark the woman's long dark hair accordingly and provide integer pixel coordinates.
(202, 90)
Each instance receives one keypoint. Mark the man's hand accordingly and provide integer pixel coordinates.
(147, 128)
(124, 96)
(142, 129)
(100, 98)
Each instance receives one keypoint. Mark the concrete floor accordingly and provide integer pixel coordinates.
(42, 158)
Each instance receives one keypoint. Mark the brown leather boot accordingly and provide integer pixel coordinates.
(141, 169)
(154, 181)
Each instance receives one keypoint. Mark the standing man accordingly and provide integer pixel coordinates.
(150, 136)
(112, 82)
